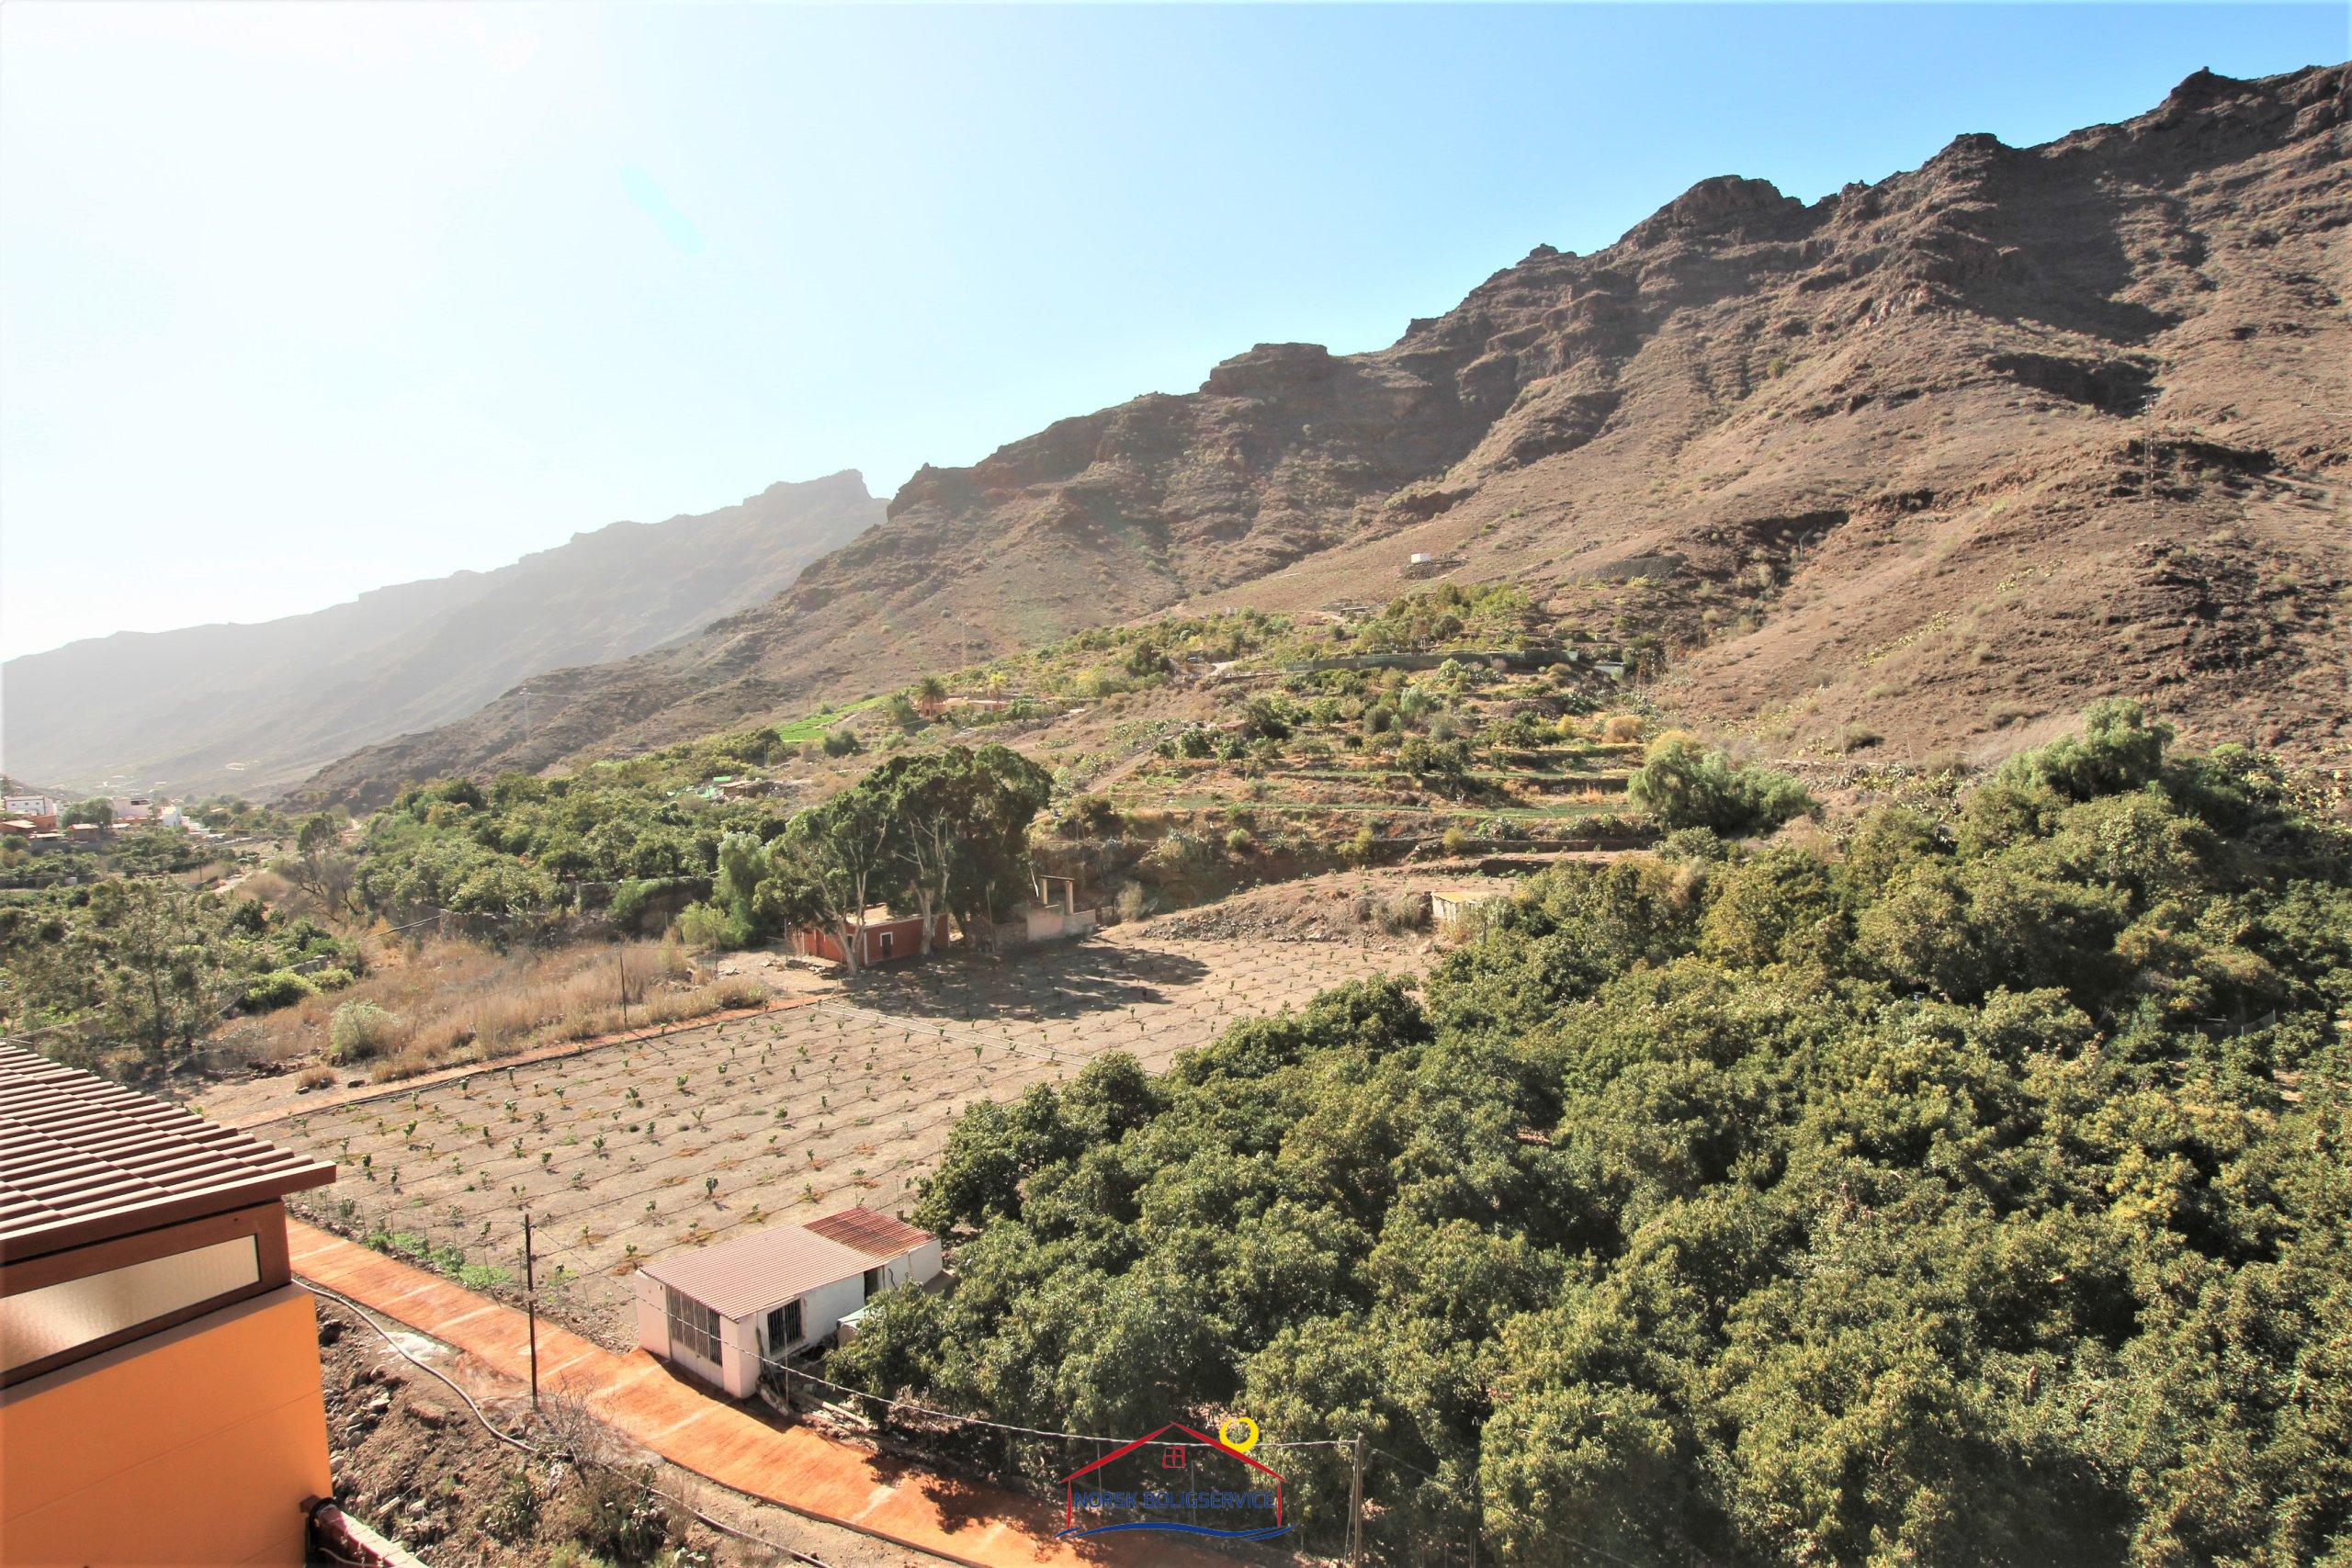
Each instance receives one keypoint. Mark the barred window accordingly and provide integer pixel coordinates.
(694, 1327)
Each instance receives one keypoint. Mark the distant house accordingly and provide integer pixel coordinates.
(721, 1312)
(20, 826)
(885, 939)
(1456, 914)
(161, 1368)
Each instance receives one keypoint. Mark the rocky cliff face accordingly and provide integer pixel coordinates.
(1939, 458)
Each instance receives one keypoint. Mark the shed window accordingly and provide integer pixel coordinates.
(784, 1328)
(694, 1327)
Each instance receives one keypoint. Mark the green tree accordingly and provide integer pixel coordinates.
(829, 867)
(1971, 1195)
(1683, 783)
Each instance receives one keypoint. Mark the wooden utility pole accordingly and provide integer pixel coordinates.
(1355, 1504)
(531, 1306)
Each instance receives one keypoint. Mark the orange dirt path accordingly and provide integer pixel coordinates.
(714, 1438)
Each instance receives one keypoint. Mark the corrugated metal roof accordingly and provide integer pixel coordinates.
(751, 1274)
(876, 1235)
(83, 1160)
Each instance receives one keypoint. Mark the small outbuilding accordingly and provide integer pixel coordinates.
(722, 1312)
(884, 940)
(1053, 915)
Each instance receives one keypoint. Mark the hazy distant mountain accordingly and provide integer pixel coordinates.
(247, 709)
(1939, 458)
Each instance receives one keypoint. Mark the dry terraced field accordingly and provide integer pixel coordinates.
(626, 1152)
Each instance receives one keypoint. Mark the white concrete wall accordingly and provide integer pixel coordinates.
(1045, 923)
(739, 1346)
(686, 1361)
(653, 1315)
(822, 1309)
(920, 1265)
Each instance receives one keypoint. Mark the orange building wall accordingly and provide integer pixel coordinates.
(197, 1446)
(906, 940)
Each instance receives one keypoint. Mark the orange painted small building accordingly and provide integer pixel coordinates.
(885, 939)
(159, 1371)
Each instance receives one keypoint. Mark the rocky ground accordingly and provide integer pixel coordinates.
(412, 1460)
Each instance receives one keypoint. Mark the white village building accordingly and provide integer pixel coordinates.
(718, 1312)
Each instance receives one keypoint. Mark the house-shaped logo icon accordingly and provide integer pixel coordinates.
(1176, 1492)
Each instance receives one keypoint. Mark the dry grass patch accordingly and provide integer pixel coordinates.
(452, 1001)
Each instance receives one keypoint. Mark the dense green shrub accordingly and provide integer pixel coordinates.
(124, 973)
(1445, 760)
(1682, 784)
(278, 988)
(1964, 1192)
(705, 927)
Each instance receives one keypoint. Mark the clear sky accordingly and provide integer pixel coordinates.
(297, 300)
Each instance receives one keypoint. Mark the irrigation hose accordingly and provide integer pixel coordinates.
(511, 1440)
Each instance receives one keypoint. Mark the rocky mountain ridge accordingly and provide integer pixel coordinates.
(246, 708)
(1926, 463)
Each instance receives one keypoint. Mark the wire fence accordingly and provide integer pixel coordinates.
(1159, 1478)
(1408, 1513)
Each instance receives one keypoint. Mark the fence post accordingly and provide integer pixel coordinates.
(531, 1306)
(1355, 1504)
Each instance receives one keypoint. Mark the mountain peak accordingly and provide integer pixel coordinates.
(1702, 408)
(1720, 205)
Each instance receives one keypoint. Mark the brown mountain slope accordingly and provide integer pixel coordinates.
(1936, 456)
(246, 708)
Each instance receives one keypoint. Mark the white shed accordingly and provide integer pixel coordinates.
(720, 1312)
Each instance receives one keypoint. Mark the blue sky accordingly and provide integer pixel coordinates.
(299, 300)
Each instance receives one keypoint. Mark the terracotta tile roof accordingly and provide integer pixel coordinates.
(876, 1235)
(83, 1160)
(767, 1268)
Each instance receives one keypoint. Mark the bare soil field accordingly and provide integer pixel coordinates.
(626, 1152)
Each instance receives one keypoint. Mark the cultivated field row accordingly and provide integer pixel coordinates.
(630, 1151)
